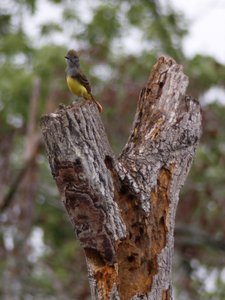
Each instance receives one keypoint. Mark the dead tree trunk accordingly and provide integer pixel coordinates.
(123, 210)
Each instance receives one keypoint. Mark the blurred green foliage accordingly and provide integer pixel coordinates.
(117, 74)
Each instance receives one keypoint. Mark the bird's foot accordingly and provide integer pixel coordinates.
(62, 106)
(76, 100)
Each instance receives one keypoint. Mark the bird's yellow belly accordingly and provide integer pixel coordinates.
(76, 88)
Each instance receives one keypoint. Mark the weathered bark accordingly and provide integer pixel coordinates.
(123, 210)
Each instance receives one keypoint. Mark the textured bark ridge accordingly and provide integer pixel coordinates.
(123, 210)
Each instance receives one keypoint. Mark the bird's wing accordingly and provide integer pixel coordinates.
(83, 80)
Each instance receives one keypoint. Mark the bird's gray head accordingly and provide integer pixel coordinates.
(72, 59)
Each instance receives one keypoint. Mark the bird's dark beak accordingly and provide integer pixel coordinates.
(66, 57)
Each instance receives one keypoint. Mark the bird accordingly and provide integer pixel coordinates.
(77, 82)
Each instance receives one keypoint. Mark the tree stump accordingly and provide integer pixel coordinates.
(123, 209)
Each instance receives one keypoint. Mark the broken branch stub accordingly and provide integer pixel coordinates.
(123, 210)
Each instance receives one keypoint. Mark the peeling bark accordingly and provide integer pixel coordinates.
(123, 210)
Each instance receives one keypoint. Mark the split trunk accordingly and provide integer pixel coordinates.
(123, 209)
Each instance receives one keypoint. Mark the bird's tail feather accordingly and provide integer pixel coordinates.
(100, 108)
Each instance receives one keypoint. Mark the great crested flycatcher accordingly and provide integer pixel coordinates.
(76, 80)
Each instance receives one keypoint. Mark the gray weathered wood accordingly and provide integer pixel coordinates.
(123, 210)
